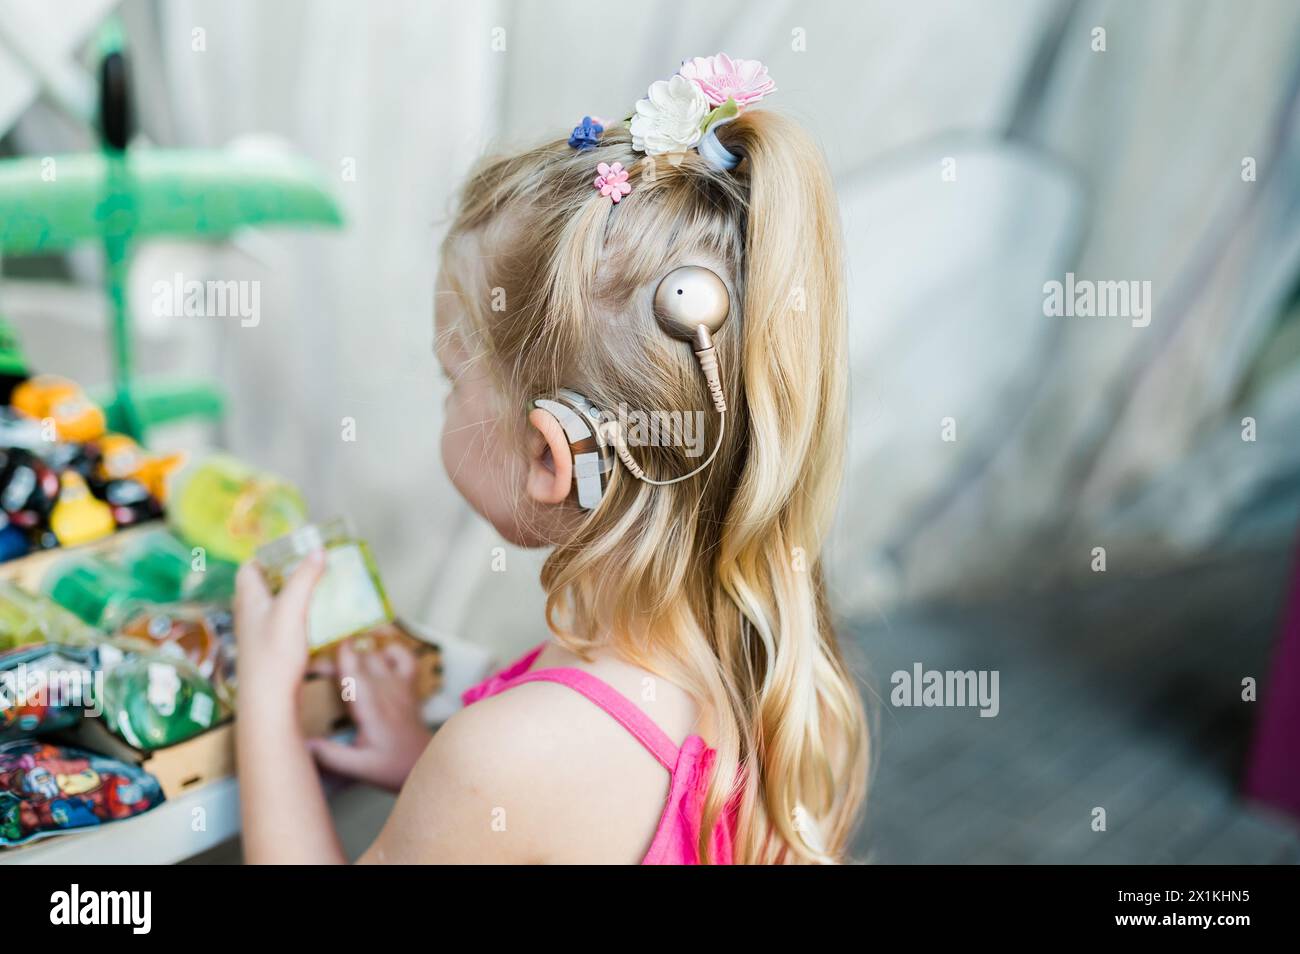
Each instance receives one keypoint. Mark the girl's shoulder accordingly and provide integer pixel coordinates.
(557, 770)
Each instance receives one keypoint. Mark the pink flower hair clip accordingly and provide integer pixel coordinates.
(611, 181)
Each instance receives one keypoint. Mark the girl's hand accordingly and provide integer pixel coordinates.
(271, 634)
(379, 687)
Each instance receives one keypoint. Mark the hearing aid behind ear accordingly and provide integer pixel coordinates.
(690, 304)
(592, 457)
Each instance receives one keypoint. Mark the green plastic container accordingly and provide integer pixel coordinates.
(100, 594)
(168, 570)
(152, 700)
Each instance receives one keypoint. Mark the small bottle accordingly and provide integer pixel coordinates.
(349, 598)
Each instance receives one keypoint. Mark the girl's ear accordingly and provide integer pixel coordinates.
(550, 461)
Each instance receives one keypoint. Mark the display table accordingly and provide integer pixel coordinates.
(197, 775)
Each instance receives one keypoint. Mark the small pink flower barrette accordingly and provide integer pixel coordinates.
(611, 181)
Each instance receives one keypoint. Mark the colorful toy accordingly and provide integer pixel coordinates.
(77, 517)
(52, 789)
(153, 699)
(122, 458)
(75, 416)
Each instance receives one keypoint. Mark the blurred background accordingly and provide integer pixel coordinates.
(1102, 511)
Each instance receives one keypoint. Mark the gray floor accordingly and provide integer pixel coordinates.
(1124, 696)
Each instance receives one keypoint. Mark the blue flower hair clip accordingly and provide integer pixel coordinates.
(586, 134)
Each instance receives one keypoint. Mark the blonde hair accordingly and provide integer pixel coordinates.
(714, 582)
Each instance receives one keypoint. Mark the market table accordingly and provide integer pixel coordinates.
(201, 809)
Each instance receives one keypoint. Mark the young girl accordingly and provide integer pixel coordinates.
(691, 704)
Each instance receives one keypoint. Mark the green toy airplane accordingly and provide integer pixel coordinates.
(118, 196)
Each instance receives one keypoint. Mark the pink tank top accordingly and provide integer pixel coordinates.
(675, 839)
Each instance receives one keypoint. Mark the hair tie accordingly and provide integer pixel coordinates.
(715, 153)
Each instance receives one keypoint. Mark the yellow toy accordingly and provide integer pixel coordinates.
(122, 458)
(78, 517)
(76, 418)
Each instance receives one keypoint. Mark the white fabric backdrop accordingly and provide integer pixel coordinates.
(1071, 433)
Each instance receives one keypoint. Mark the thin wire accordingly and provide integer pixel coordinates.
(722, 428)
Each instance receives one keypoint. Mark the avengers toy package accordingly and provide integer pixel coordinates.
(52, 789)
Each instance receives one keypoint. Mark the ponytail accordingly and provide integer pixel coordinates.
(806, 755)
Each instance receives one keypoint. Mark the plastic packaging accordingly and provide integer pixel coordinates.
(167, 570)
(230, 509)
(52, 789)
(152, 700)
(46, 687)
(183, 631)
(101, 594)
(27, 619)
(349, 598)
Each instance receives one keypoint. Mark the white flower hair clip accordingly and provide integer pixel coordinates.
(684, 111)
(680, 113)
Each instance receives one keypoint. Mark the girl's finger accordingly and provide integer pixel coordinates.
(401, 659)
(374, 662)
(347, 661)
(252, 597)
(293, 599)
(344, 759)
(323, 666)
(351, 670)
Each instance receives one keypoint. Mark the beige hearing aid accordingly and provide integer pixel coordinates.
(690, 304)
(592, 456)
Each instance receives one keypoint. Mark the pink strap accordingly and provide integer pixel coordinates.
(625, 712)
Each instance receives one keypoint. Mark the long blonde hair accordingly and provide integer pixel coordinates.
(714, 582)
